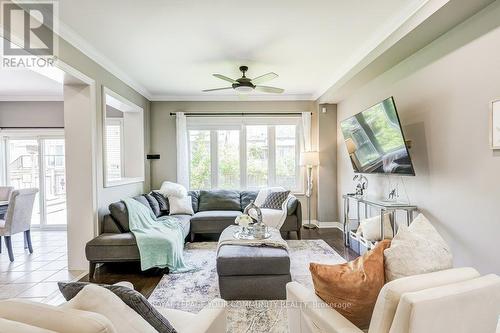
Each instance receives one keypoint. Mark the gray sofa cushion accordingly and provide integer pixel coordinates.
(132, 298)
(195, 198)
(246, 197)
(219, 200)
(119, 213)
(112, 247)
(214, 221)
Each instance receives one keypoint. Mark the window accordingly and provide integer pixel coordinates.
(228, 151)
(199, 155)
(123, 140)
(114, 156)
(257, 156)
(244, 153)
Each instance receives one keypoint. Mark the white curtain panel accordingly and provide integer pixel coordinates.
(306, 130)
(182, 150)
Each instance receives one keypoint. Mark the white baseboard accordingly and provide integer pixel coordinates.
(337, 225)
(319, 224)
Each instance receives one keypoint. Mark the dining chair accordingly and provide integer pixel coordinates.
(4, 197)
(5, 192)
(18, 218)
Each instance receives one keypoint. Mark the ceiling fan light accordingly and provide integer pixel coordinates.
(243, 89)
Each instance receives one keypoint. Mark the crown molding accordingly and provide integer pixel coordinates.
(73, 38)
(234, 98)
(376, 42)
(31, 98)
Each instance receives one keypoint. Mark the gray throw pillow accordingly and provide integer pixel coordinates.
(132, 298)
(275, 200)
(142, 199)
(153, 203)
(162, 203)
(119, 212)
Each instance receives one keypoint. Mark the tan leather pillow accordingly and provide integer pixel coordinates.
(352, 288)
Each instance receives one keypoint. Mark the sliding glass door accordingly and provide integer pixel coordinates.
(39, 161)
(23, 168)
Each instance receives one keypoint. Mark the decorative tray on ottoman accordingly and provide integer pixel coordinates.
(240, 234)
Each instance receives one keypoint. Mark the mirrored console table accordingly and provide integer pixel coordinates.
(390, 207)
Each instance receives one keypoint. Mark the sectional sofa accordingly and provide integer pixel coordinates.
(213, 212)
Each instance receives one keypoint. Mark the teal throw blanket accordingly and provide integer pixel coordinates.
(160, 241)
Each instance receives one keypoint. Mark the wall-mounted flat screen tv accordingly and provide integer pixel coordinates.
(375, 141)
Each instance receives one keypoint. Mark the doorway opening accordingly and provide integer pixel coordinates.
(36, 159)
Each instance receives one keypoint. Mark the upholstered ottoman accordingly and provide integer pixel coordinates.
(252, 272)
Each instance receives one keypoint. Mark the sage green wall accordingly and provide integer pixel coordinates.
(443, 94)
(163, 139)
(73, 57)
(32, 114)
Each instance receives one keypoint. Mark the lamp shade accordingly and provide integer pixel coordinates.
(309, 158)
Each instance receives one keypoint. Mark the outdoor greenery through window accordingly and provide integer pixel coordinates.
(238, 154)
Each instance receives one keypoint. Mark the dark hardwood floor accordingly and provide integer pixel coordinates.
(145, 282)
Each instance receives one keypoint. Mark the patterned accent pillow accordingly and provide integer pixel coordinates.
(275, 200)
(153, 203)
(132, 298)
(162, 202)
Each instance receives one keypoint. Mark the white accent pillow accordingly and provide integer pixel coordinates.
(169, 189)
(9, 326)
(54, 318)
(370, 228)
(94, 298)
(180, 205)
(416, 249)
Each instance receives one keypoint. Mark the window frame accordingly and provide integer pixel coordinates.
(214, 124)
(115, 122)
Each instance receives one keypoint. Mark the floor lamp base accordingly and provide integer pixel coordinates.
(310, 226)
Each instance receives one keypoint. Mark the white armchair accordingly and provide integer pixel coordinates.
(455, 300)
(34, 317)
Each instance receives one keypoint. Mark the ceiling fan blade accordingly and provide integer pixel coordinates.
(215, 89)
(269, 89)
(264, 78)
(225, 78)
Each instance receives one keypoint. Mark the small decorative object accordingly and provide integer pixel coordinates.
(244, 221)
(362, 185)
(393, 195)
(257, 229)
(495, 125)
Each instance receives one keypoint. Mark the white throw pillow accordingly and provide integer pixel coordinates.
(103, 301)
(416, 249)
(54, 318)
(370, 228)
(9, 326)
(180, 205)
(169, 189)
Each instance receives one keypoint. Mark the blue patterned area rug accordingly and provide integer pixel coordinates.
(192, 291)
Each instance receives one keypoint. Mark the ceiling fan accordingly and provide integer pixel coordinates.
(244, 84)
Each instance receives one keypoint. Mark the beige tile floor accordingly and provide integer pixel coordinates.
(35, 276)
